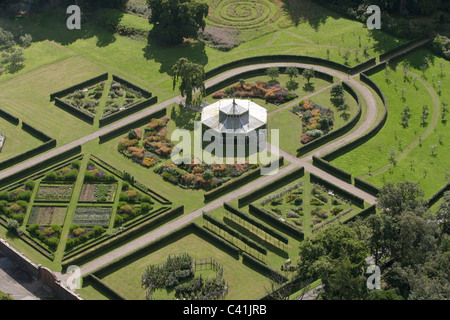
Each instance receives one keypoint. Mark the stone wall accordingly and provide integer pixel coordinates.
(37, 272)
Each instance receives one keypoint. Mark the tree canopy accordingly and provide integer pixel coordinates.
(174, 20)
(191, 75)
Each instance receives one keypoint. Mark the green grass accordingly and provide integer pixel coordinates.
(244, 283)
(414, 162)
(17, 140)
(290, 125)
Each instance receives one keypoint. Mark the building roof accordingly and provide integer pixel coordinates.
(234, 116)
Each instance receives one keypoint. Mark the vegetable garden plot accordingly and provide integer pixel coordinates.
(92, 216)
(59, 192)
(46, 216)
(98, 192)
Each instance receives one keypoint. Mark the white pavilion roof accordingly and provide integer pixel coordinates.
(234, 116)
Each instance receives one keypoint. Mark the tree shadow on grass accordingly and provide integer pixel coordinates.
(307, 11)
(167, 55)
(52, 26)
(184, 118)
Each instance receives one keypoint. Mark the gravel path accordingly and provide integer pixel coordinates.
(294, 163)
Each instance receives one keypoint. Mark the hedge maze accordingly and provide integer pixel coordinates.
(248, 14)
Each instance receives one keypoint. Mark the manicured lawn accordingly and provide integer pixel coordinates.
(290, 125)
(17, 140)
(414, 161)
(244, 283)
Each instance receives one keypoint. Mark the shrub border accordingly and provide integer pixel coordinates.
(335, 133)
(239, 181)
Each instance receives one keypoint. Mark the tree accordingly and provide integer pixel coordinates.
(337, 95)
(273, 73)
(336, 255)
(292, 72)
(192, 76)
(174, 20)
(443, 214)
(308, 74)
(405, 196)
(25, 40)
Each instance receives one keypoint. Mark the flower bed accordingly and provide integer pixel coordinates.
(67, 173)
(273, 93)
(94, 173)
(121, 97)
(49, 235)
(98, 192)
(92, 216)
(201, 176)
(14, 202)
(47, 216)
(317, 120)
(86, 99)
(56, 193)
(80, 234)
(146, 149)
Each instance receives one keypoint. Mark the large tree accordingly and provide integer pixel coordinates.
(336, 255)
(192, 77)
(174, 20)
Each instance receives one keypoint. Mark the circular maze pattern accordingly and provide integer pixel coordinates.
(243, 14)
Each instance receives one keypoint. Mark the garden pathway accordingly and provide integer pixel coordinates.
(366, 124)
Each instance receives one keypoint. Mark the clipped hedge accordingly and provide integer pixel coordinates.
(104, 288)
(363, 66)
(376, 69)
(234, 233)
(271, 186)
(145, 93)
(366, 186)
(239, 181)
(38, 134)
(277, 58)
(138, 106)
(269, 272)
(332, 169)
(79, 86)
(385, 55)
(355, 199)
(367, 136)
(28, 154)
(39, 166)
(113, 241)
(335, 133)
(231, 248)
(114, 133)
(9, 117)
(363, 213)
(256, 223)
(435, 197)
(274, 220)
(74, 111)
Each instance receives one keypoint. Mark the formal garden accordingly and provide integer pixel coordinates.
(86, 205)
